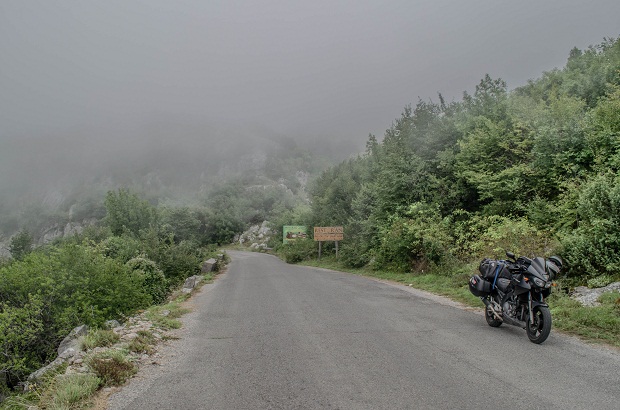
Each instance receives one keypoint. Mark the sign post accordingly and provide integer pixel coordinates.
(328, 233)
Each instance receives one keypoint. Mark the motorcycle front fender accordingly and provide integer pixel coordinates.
(536, 304)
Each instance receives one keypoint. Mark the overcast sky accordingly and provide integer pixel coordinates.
(338, 68)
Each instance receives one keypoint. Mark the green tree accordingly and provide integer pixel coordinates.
(20, 244)
(127, 212)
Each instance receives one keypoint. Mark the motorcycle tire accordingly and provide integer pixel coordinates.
(491, 319)
(538, 331)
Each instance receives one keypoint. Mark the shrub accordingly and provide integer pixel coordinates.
(113, 367)
(153, 280)
(514, 235)
(20, 244)
(590, 250)
(46, 295)
(414, 241)
(126, 212)
(299, 250)
(122, 248)
(21, 331)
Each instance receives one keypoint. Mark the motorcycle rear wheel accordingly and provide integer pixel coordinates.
(538, 331)
(491, 319)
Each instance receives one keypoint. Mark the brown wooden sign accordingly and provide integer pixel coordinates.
(328, 233)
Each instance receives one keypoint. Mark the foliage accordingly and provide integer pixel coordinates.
(112, 366)
(20, 332)
(415, 240)
(591, 248)
(46, 295)
(126, 212)
(153, 279)
(299, 250)
(20, 244)
(533, 171)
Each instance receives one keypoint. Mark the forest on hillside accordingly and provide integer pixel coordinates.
(534, 170)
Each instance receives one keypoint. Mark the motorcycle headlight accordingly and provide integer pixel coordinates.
(539, 283)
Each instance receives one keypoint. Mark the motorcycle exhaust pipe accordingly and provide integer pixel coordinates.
(488, 304)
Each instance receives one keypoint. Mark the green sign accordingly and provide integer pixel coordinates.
(294, 232)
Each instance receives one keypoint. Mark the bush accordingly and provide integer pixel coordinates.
(514, 235)
(591, 250)
(299, 250)
(153, 279)
(46, 295)
(414, 241)
(126, 212)
(20, 244)
(122, 248)
(113, 367)
(21, 331)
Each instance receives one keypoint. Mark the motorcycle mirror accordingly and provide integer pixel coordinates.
(510, 255)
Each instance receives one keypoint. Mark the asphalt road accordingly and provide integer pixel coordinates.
(268, 335)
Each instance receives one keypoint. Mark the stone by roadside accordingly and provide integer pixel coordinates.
(589, 297)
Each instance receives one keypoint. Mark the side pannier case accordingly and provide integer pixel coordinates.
(479, 286)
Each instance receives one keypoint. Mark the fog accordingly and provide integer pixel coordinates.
(89, 85)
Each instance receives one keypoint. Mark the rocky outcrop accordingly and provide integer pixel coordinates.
(589, 297)
(63, 230)
(257, 236)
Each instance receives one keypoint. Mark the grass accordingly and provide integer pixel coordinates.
(165, 316)
(143, 343)
(599, 324)
(99, 338)
(596, 323)
(112, 366)
(70, 392)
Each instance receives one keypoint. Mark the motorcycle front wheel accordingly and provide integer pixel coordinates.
(538, 331)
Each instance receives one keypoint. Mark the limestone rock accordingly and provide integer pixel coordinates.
(70, 344)
(589, 297)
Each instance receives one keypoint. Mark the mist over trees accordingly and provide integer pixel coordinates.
(533, 170)
(53, 180)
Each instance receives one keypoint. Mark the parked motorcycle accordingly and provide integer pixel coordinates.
(514, 292)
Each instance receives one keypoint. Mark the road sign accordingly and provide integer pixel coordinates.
(328, 233)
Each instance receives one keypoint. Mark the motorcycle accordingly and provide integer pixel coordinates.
(514, 291)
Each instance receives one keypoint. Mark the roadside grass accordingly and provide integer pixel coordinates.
(112, 366)
(99, 338)
(165, 316)
(598, 324)
(143, 343)
(72, 391)
(32, 396)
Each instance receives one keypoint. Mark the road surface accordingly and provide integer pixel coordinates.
(268, 335)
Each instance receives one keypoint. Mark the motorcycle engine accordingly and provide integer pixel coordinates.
(510, 307)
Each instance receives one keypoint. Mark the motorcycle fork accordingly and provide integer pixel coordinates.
(529, 306)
